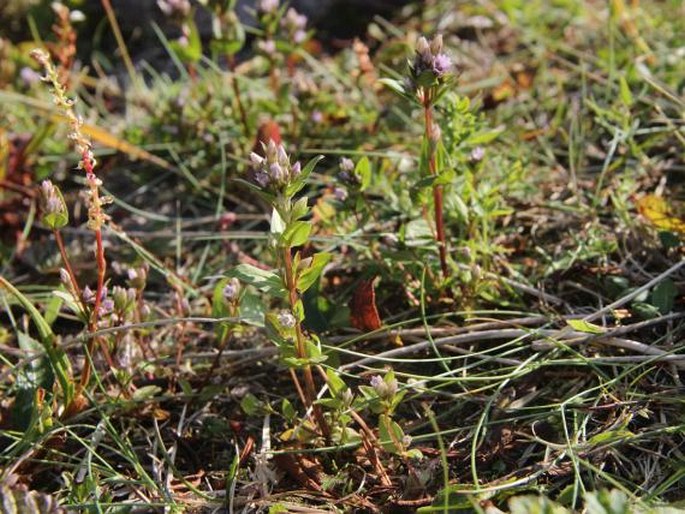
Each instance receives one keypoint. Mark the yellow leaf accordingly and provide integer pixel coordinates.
(660, 214)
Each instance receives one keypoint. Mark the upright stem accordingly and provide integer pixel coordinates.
(300, 347)
(238, 96)
(100, 262)
(437, 189)
(70, 270)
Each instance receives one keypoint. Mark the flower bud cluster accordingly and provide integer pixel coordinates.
(124, 298)
(295, 25)
(137, 277)
(347, 174)
(273, 171)
(429, 57)
(51, 201)
(385, 389)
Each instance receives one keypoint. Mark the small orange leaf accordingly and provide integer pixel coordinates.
(660, 214)
(363, 312)
(267, 131)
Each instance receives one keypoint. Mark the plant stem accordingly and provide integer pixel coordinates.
(300, 347)
(437, 189)
(70, 270)
(238, 96)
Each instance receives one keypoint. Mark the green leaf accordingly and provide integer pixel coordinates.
(530, 504)
(266, 281)
(288, 410)
(626, 95)
(297, 184)
(390, 435)
(146, 392)
(251, 405)
(397, 87)
(610, 436)
(309, 276)
(335, 383)
(484, 137)
(297, 233)
(277, 225)
(58, 359)
(189, 50)
(663, 296)
(300, 209)
(585, 326)
(252, 309)
(363, 171)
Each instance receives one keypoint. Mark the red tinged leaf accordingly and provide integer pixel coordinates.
(267, 131)
(363, 312)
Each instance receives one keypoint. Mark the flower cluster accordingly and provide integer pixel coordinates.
(385, 388)
(347, 174)
(295, 25)
(273, 171)
(430, 59)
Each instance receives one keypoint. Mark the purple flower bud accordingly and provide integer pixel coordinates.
(340, 194)
(268, 47)
(282, 156)
(231, 290)
(422, 47)
(316, 116)
(376, 381)
(477, 154)
(295, 170)
(106, 306)
(442, 64)
(261, 178)
(29, 76)
(346, 164)
(286, 319)
(53, 205)
(64, 277)
(271, 151)
(299, 36)
(88, 295)
(276, 173)
(267, 6)
(436, 45)
(256, 159)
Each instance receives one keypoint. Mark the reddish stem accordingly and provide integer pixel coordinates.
(300, 347)
(437, 189)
